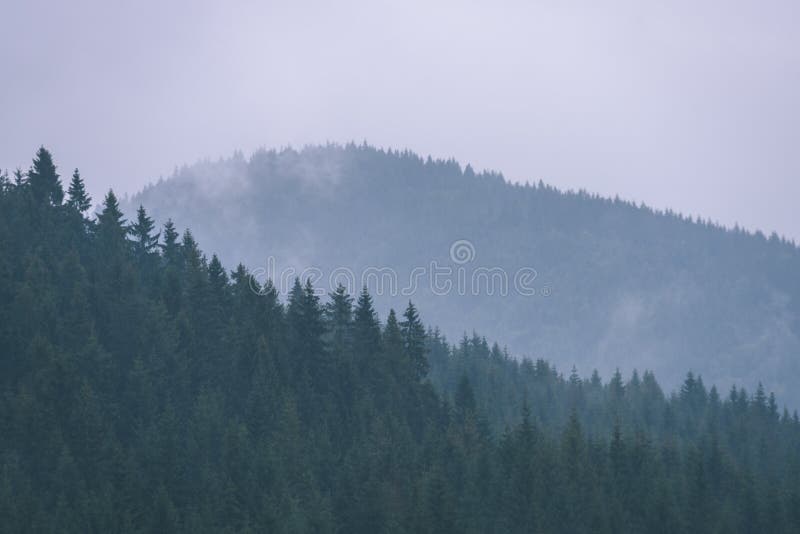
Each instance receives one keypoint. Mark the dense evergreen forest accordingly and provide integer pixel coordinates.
(618, 284)
(145, 388)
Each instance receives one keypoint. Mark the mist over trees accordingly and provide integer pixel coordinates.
(144, 387)
(617, 285)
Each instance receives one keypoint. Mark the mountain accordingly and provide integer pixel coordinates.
(589, 281)
(144, 387)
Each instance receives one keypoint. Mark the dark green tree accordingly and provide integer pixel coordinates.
(43, 180)
(339, 320)
(78, 198)
(111, 228)
(366, 329)
(171, 247)
(413, 333)
(145, 242)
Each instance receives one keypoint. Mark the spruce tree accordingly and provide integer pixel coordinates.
(339, 321)
(78, 198)
(295, 319)
(172, 286)
(219, 289)
(192, 256)
(366, 328)
(145, 243)
(314, 324)
(111, 228)
(217, 277)
(414, 341)
(43, 180)
(760, 400)
(306, 328)
(194, 281)
(171, 247)
(392, 340)
(617, 386)
(115, 280)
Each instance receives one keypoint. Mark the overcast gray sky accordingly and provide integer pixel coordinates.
(688, 104)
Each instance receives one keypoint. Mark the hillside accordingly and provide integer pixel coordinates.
(616, 285)
(146, 388)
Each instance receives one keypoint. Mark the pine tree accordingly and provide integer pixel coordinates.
(414, 342)
(111, 228)
(219, 290)
(339, 320)
(575, 389)
(78, 198)
(393, 340)
(115, 281)
(295, 319)
(197, 303)
(772, 406)
(217, 277)
(366, 328)
(43, 179)
(191, 256)
(306, 329)
(760, 400)
(171, 286)
(314, 325)
(617, 386)
(171, 247)
(145, 243)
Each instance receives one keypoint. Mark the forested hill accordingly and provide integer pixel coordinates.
(145, 388)
(617, 285)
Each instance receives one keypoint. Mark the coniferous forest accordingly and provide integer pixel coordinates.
(145, 387)
(629, 286)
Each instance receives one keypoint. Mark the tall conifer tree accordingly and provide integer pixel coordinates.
(43, 180)
(78, 198)
(414, 341)
(145, 243)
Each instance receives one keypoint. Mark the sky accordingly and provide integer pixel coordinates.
(682, 104)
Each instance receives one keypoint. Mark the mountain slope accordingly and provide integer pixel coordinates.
(144, 389)
(615, 285)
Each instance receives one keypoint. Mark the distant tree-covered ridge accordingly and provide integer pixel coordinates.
(145, 388)
(618, 285)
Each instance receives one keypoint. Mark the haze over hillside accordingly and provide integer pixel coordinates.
(589, 281)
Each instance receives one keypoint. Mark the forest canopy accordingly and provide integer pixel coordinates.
(144, 387)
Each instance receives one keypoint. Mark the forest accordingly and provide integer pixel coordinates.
(145, 387)
(618, 284)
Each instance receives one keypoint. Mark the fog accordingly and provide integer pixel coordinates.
(676, 104)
